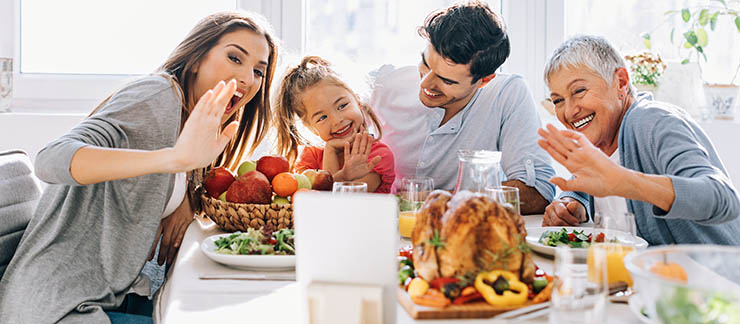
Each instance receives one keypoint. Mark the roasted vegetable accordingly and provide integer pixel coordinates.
(418, 287)
(501, 288)
(405, 273)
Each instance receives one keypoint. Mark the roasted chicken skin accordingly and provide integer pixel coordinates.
(429, 219)
(460, 225)
(474, 234)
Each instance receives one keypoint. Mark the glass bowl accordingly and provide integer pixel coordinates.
(710, 294)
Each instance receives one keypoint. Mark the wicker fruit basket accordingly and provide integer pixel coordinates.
(233, 217)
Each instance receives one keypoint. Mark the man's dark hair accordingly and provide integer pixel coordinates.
(469, 33)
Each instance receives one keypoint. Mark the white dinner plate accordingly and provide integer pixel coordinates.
(636, 307)
(246, 262)
(534, 233)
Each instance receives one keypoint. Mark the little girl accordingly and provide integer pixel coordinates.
(315, 94)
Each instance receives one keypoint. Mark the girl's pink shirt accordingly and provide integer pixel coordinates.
(312, 157)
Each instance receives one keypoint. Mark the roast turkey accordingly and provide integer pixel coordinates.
(467, 233)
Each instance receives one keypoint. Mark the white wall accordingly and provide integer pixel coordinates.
(724, 135)
(32, 131)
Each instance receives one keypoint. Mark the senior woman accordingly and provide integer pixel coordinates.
(632, 153)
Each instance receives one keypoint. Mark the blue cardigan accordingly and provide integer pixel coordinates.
(659, 138)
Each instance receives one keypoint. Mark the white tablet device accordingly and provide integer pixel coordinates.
(347, 239)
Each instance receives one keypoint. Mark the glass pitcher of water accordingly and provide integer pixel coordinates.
(478, 170)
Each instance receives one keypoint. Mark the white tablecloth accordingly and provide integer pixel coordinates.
(186, 299)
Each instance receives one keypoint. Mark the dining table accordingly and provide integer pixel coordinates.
(199, 290)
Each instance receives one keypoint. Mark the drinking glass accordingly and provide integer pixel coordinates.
(414, 191)
(580, 290)
(619, 230)
(507, 196)
(344, 187)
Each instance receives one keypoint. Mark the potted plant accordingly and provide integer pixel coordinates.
(692, 38)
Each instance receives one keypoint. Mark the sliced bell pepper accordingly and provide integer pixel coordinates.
(467, 298)
(511, 291)
(438, 283)
(407, 251)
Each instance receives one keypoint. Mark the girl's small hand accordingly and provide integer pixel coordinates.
(592, 171)
(200, 141)
(356, 154)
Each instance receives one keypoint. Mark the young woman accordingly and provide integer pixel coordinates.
(314, 93)
(118, 182)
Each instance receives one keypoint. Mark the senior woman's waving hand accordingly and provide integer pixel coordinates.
(593, 172)
(629, 153)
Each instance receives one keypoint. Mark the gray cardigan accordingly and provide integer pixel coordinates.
(659, 138)
(85, 245)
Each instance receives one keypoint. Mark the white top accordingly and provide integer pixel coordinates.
(501, 116)
(611, 204)
(178, 194)
(142, 284)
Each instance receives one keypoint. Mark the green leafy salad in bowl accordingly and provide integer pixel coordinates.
(574, 239)
(256, 242)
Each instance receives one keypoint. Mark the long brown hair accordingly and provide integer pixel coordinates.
(289, 109)
(255, 117)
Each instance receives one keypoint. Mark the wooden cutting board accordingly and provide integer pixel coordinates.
(478, 309)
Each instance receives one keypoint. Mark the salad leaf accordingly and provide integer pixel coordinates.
(255, 242)
(574, 239)
(686, 305)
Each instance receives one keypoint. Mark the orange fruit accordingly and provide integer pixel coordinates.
(670, 270)
(284, 184)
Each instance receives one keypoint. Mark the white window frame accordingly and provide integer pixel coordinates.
(77, 93)
(535, 28)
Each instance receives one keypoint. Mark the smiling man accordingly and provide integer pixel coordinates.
(454, 99)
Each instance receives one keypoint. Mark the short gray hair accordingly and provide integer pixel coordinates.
(593, 52)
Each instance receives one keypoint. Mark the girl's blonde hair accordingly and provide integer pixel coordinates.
(254, 119)
(312, 70)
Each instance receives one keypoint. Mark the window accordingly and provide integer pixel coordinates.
(623, 22)
(57, 68)
(366, 34)
(84, 37)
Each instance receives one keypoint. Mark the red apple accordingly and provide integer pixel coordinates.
(271, 165)
(218, 180)
(323, 181)
(250, 188)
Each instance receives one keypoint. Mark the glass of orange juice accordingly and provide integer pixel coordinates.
(619, 239)
(414, 190)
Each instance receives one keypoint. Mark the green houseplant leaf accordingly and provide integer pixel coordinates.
(713, 21)
(690, 37)
(701, 37)
(646, 39)
(685, 14)
(704, 17)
